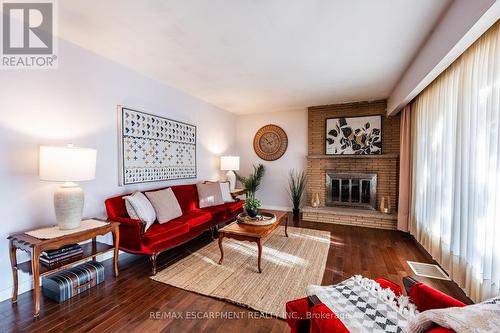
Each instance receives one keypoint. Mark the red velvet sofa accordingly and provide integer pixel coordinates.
(161, 237)
(309, 315)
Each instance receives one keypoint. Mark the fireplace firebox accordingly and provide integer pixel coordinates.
(357, 190)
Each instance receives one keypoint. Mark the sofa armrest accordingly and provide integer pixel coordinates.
(313, 300)
(131, 230)
(128, 221)
(427, 298)
(297, 315)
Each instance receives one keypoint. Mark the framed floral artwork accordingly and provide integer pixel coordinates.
(354, 136)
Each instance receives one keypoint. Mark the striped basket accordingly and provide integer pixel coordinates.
(68, 283)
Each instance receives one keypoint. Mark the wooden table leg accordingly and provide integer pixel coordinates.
(94, 247)
(286, 225)
(259, 244)
(13, 264)
(221, 237)
(35, 266)
(116, 242)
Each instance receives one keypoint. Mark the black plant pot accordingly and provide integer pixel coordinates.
(252, 212)
(296, 212)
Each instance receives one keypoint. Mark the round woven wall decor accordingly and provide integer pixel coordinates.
(270, 142)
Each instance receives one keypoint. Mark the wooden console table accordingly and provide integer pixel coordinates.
(35, 247)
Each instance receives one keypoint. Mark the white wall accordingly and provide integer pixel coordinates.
(77, 103)
(273, 193)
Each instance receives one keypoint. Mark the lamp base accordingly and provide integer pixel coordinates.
(68, 205)
(231, 178)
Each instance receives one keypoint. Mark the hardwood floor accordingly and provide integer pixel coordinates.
(129, 302)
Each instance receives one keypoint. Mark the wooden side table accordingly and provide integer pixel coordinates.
(237, 192)
(35, 247)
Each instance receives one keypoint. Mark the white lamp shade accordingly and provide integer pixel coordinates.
(230, 163)
(67, 164)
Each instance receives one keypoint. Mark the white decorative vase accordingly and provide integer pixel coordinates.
(231, 178)
(385, 205)
(68, 205)
(315, 200)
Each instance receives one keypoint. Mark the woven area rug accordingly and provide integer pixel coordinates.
(289, 265)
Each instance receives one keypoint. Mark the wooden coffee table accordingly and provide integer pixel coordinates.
(250, 233)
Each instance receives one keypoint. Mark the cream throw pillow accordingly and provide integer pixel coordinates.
(209, 194)
(225, 190)
(165, 203)
(138, 206)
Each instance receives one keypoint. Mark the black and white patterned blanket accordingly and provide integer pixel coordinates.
(364, 306)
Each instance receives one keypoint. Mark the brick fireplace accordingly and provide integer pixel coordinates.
(384, 168)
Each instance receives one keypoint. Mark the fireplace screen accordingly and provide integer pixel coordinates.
(351, 190)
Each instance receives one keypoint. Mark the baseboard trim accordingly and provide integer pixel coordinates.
(24, 286)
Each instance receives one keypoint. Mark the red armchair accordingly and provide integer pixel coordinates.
(161, 237)
(309, 315)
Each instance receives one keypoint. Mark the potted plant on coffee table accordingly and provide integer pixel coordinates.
(252, 184)
(252, 206)
(296, 185)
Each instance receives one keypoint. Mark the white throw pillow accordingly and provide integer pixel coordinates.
(165, 203)
(226, 192)
(209, 194)
(130, 210)
(141, 208)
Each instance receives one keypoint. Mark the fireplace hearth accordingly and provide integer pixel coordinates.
(356, 190)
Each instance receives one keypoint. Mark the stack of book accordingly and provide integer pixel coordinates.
(63, 254)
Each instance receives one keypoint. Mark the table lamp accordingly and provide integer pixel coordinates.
(67, 164)
(230, 163)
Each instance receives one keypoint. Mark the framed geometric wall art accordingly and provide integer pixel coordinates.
(154, 148)
(354, 136)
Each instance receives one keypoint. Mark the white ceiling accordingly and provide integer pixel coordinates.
(249, 56)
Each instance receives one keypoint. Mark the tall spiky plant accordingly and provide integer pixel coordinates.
(252, 182)
(296, 185)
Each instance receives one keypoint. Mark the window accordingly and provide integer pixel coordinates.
(455, 211)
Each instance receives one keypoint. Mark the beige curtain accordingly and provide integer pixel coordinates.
(455, 207)
(404, 169)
